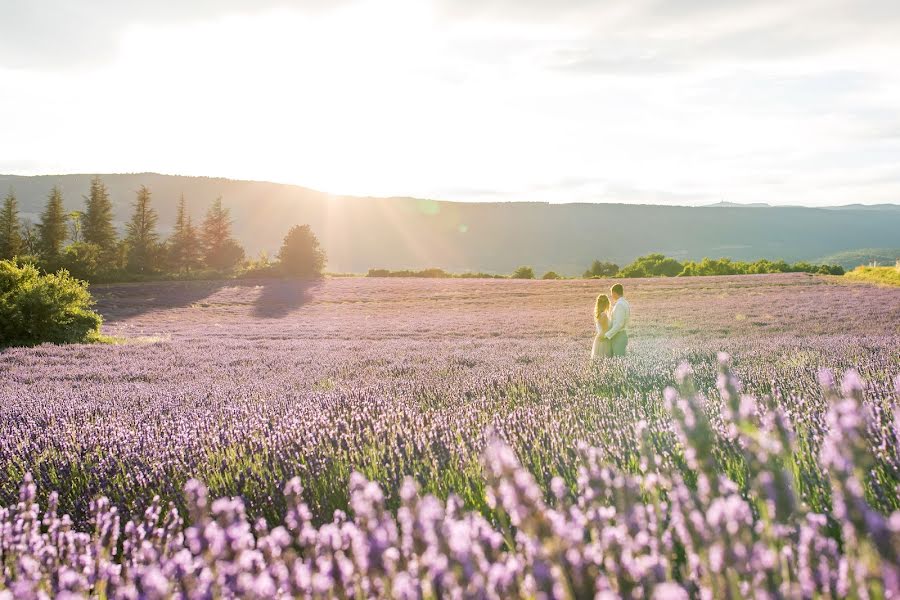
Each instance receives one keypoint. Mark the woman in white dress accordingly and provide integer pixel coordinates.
(602, 347)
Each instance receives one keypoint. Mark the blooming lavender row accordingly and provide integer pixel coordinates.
(245, 387)
(671, 525)
(134, 422)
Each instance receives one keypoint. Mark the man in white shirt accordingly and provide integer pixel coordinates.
(621, 315)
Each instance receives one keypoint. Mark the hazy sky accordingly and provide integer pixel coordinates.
(666, 101)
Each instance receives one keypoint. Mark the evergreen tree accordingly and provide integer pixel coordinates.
(10, 228)
(142, 238)
(220, 250)
(52, 228)
(185, 253)
(97, 225)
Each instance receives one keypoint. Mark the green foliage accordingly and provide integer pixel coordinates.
(726, 266)
(652, 265)
(36, 308)
(52, 228)
(830, 270)
(226, 257)
(185, 252)
(479, 275)
(220, 251)
(260, 268)
(30, 238)
(11, 244)
(82, 260)
(523, 273)
(601, 269)
(718, 266)
(142, 239)
(76, 221)
(97, 226)
(424, 273)
(551, 275)
(881, 275)
(300, 254)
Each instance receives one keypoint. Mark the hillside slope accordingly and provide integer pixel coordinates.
(359, 233)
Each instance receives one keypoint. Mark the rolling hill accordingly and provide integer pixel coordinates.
(360, 233)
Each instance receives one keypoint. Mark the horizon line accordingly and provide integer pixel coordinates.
(718, 204)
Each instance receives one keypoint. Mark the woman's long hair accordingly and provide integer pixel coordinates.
(602, 305)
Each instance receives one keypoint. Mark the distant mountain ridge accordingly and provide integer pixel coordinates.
(724, 204)
(396, 233)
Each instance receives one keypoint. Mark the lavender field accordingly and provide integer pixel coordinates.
(450, 438)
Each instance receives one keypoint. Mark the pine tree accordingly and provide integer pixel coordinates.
(142, 238)
(10, 228)
(220, 250)
(97, 225)
(184, 245)
(52, 228)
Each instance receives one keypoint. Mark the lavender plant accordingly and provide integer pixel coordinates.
(420, 439)
(649, 532)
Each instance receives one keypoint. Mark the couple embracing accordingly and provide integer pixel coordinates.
(611, 319)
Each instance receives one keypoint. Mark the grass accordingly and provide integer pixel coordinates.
(880, 275)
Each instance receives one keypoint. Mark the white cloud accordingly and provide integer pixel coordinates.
(571, 100)
(59, 34)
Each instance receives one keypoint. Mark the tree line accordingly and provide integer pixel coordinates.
(87, 244)
(651, 265)
(660, 265)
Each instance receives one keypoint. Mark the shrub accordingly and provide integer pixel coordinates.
(830, 270)
(431, 273)
(551, 275)
(652, 265)
(82, 260)
(725, 266)
(36, 308)
(601, 269)
(300, 254)
(260, 268)
(226, 257)
(479, 275)
(523, 273)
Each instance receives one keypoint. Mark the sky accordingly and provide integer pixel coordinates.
(646, 101)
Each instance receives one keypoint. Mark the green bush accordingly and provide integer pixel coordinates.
(523, 273)
(260, 268)
(830, 270)
(601, 269)
(36, 308)
(726, 266)
(551, 275)
(300, 254)
(652, 265)
(431, 273)
(479, 275)
(82, 260)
